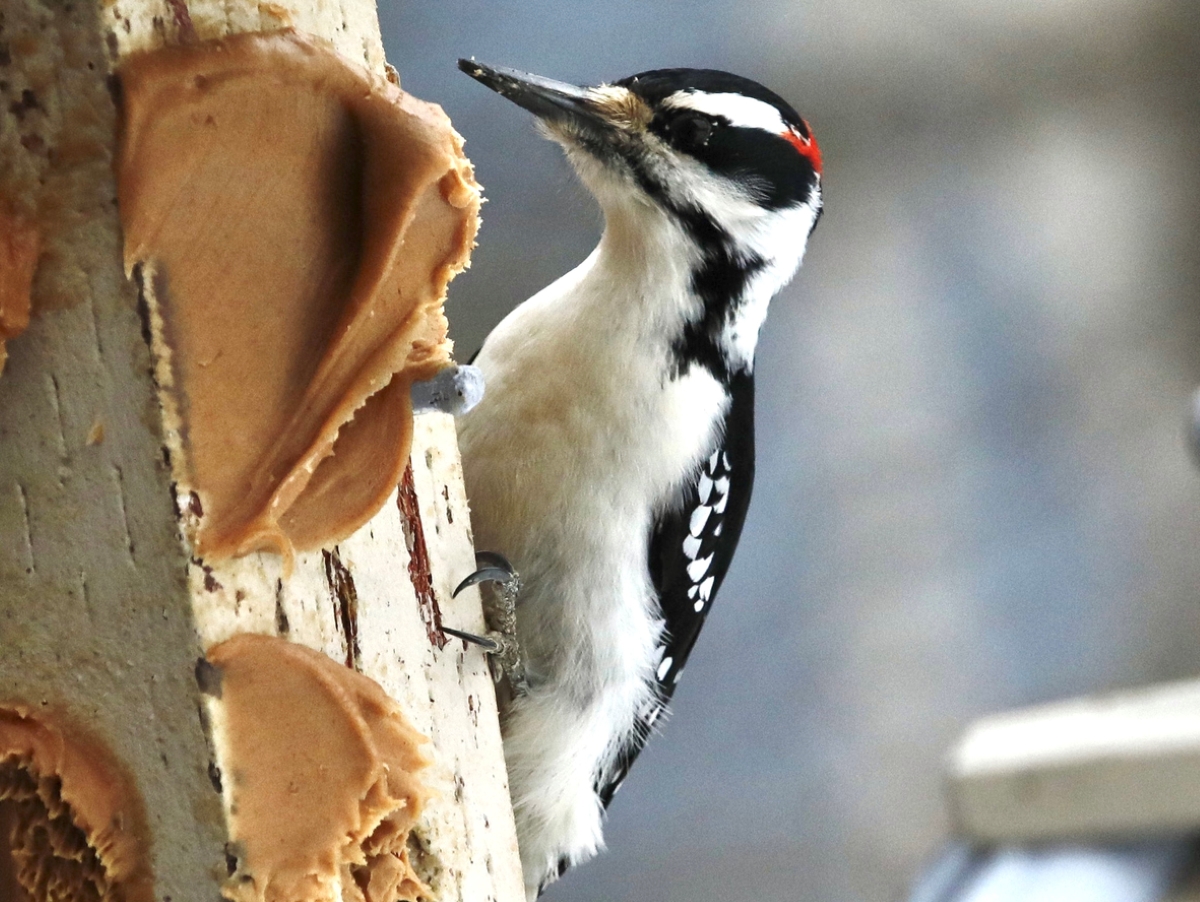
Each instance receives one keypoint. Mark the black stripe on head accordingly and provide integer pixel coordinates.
(776, 169)
(766, 165)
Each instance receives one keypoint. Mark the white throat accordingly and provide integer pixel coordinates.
(641, 272)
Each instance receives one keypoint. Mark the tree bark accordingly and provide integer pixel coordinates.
(104, 612)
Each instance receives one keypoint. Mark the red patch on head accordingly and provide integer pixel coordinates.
(806, 146)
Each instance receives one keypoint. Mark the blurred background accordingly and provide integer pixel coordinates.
(973, 487)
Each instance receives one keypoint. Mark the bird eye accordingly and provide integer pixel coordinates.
(690, 130)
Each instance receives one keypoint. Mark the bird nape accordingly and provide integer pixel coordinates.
(612, 456)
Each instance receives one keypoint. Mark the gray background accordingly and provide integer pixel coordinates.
(973, 490)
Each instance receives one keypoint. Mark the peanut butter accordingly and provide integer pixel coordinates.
(19, 244)
(77, 826)
(320, 775)
(296, 220)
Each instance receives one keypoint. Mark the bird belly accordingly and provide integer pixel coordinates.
(565, 475)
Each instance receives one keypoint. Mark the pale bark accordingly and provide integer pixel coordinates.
(103, 612)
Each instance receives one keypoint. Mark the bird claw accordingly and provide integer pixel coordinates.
(487, 643)
(500, 643)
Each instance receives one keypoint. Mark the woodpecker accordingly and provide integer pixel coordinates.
(612, 455)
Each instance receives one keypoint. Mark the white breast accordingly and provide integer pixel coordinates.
(579, 440)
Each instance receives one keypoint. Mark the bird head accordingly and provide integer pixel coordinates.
(717, 159)
(715, 149)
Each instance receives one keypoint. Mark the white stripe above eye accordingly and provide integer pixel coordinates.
(741, 111)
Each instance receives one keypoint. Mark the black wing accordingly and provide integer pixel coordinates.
(691, 548)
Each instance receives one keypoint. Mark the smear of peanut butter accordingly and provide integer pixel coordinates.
(320, 770)
(19, 245)
(79, 828)
(299, 219)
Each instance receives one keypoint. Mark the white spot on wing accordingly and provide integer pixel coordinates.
(699, 518)
(712, 461)
(705, 487)
(706, 588)
(664, 668)
(722, 489)
(699, 605)
(697, 569)
(691, 547)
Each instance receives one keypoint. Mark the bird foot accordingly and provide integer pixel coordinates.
(500, 612)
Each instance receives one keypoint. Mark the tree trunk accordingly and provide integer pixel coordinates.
(107, 611)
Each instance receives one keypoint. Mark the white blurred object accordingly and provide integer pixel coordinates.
(1093, 800)
(1120, 765)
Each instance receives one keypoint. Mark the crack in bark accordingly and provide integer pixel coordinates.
(119, 480)
(345, 605)
(282, 627)
(418, 558)
(55, 396)
(23, 499)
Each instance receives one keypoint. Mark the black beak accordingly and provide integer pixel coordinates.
(549, 100)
